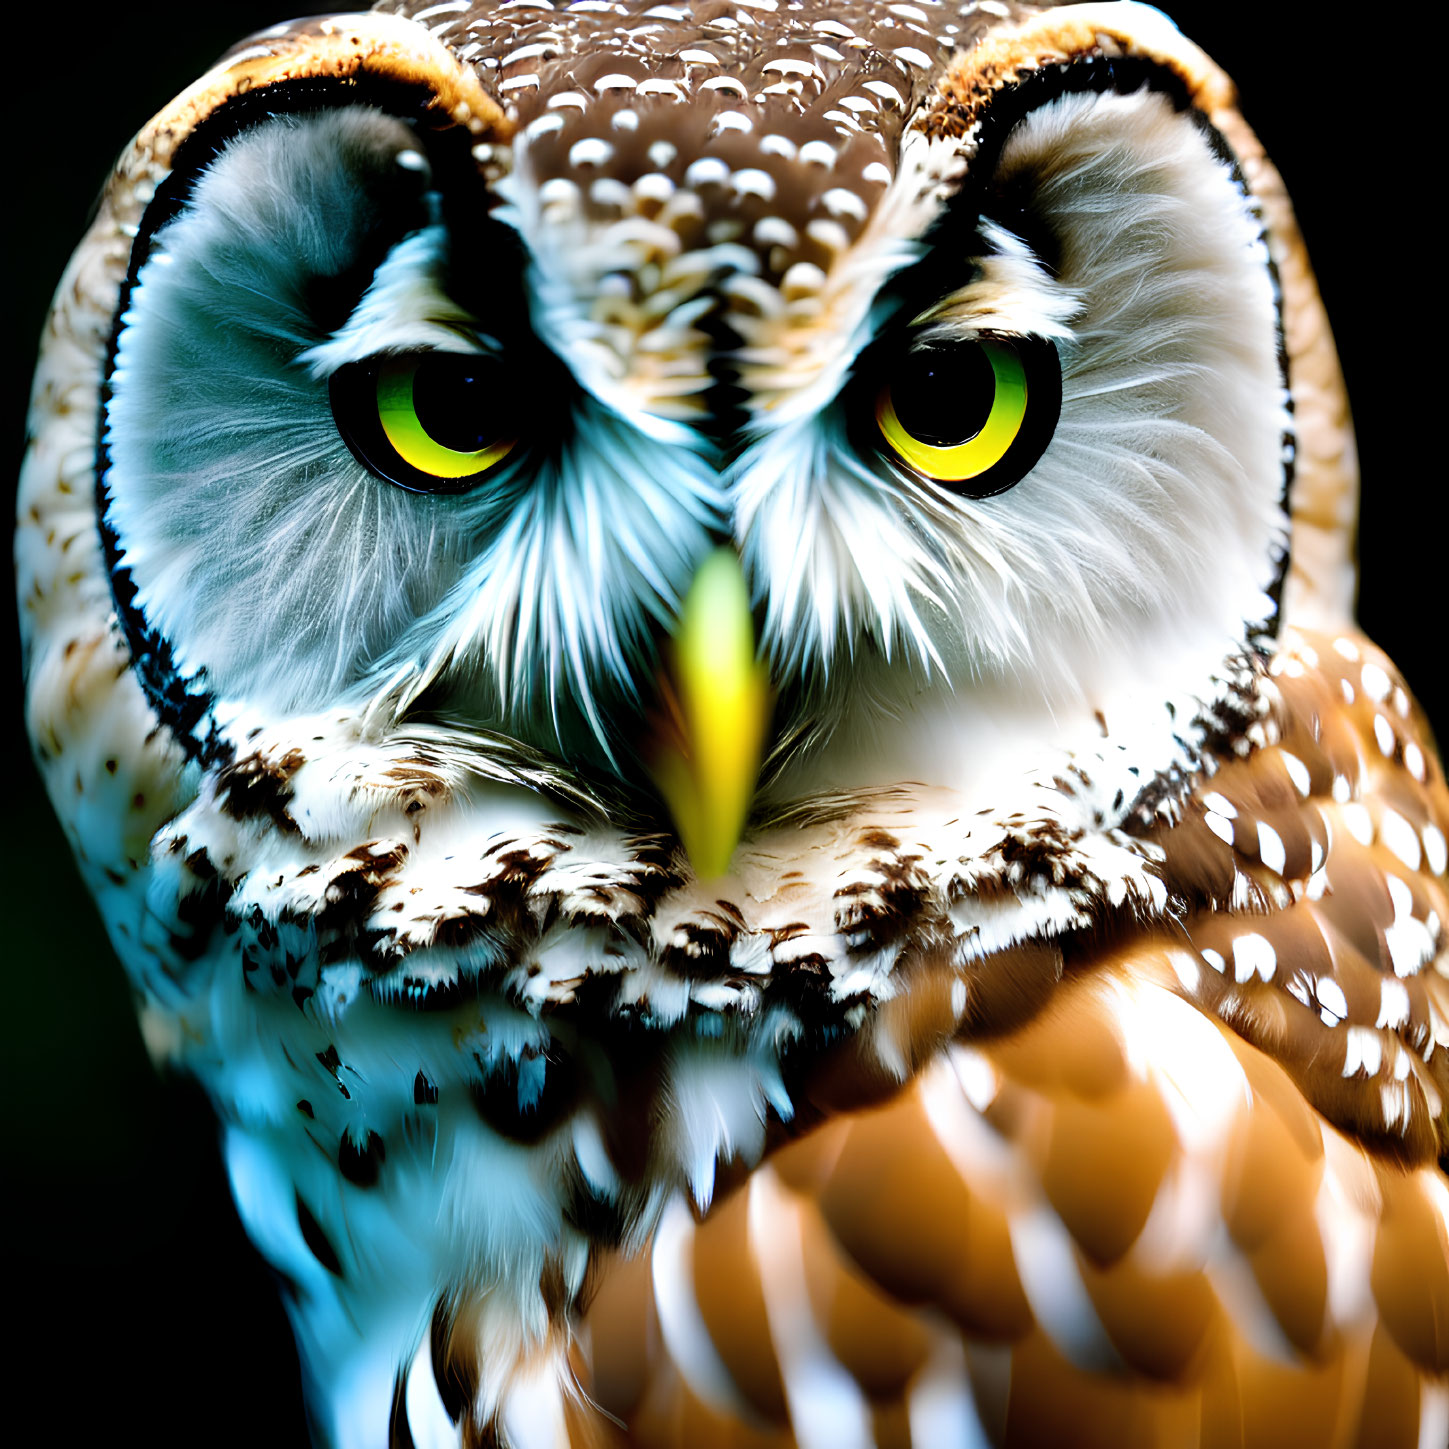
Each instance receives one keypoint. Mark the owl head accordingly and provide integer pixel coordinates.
(448, 356)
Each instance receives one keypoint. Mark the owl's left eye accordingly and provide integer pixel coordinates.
(973, 415)
(430, 422)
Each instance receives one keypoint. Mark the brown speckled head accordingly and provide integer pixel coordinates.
(755, 164)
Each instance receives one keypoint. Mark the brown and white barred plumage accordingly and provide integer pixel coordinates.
(1166, 1173)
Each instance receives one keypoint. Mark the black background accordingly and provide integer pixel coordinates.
(136, 1303)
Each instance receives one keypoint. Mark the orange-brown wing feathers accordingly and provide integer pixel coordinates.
(1195, 1199)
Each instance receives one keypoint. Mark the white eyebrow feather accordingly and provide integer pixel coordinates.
(404, 309)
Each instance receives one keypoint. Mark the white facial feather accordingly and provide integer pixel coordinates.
(1157, 499)
(281, 568)
(286, 576)
(562, 602)
(403, 310)
(261, 549)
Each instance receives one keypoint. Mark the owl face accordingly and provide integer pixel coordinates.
(430, 420)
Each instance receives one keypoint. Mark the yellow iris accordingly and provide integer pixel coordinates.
(398, 414)
(978, 454)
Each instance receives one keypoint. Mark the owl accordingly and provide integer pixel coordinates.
(701, 658)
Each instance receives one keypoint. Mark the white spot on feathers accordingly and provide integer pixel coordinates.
(840, 202)
(1186, 969)
(1297, 772)
(680, 1321)
(591, 151)
(1331, 1000)
(777, 145)
(1400, 837)
(827, 1408)
(1270, 848)
(1436, 849)
(940, 1403)
(1253, 954)
(817, 153)
(707, 171)
(1358, 822)
(754, 182)
(1046, 1265)
(1362, 1052)
(1375, 682)
(976, 1072)
(1384, 735)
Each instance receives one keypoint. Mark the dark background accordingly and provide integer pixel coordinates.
(139, 1307)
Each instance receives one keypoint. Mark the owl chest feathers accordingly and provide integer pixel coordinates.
(510, 1057)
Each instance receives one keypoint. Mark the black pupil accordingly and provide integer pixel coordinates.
(943, 396)
(460, 401)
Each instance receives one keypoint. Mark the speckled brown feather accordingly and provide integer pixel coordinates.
(1310, 1302)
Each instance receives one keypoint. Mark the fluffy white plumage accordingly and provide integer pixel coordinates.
(1141, 505)
(310, 585)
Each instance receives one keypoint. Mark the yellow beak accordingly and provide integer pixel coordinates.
(714, 711)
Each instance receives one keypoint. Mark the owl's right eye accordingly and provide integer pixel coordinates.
(974, 415)
(430, 422)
